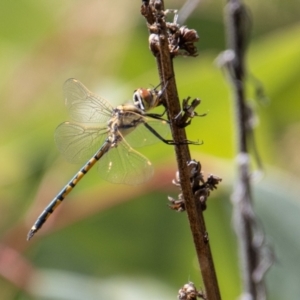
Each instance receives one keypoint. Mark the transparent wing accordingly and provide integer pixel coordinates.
(122, 164)
(83, 105)
(142, 136)
(78, 143)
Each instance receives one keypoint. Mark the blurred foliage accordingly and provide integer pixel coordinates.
(99, 242)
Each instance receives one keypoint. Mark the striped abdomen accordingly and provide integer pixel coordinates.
(67, 189)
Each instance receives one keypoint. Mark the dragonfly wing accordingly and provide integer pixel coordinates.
(83, 105)
(142, 136)
(122, 164)
(78, 143)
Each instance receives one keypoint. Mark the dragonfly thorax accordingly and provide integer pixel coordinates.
(125, 119)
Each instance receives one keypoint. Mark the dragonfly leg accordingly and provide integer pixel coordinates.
(170, 142)
(158, 116)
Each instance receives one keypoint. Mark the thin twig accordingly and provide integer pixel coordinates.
(251, 241)
(193, 207)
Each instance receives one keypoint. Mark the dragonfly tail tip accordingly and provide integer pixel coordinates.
(31, 234)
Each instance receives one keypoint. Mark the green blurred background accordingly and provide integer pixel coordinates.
(119, 242)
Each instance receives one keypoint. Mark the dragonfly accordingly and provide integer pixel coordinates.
(101, 133)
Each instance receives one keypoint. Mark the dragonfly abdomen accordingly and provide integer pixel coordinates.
(67, 189)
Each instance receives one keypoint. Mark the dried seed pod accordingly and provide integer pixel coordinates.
(189, 292)
(154, 44)
(188, 35)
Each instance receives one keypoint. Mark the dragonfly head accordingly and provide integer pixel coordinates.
(146, 99)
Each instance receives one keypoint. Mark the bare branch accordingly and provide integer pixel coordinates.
(162, 49)
(252, 247)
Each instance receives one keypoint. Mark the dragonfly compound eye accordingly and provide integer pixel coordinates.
(149, 98)
(143, 99)
(137, 99)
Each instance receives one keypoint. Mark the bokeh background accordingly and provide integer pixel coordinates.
(118, 242)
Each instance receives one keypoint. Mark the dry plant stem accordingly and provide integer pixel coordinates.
(193, 208)
(242, 198)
